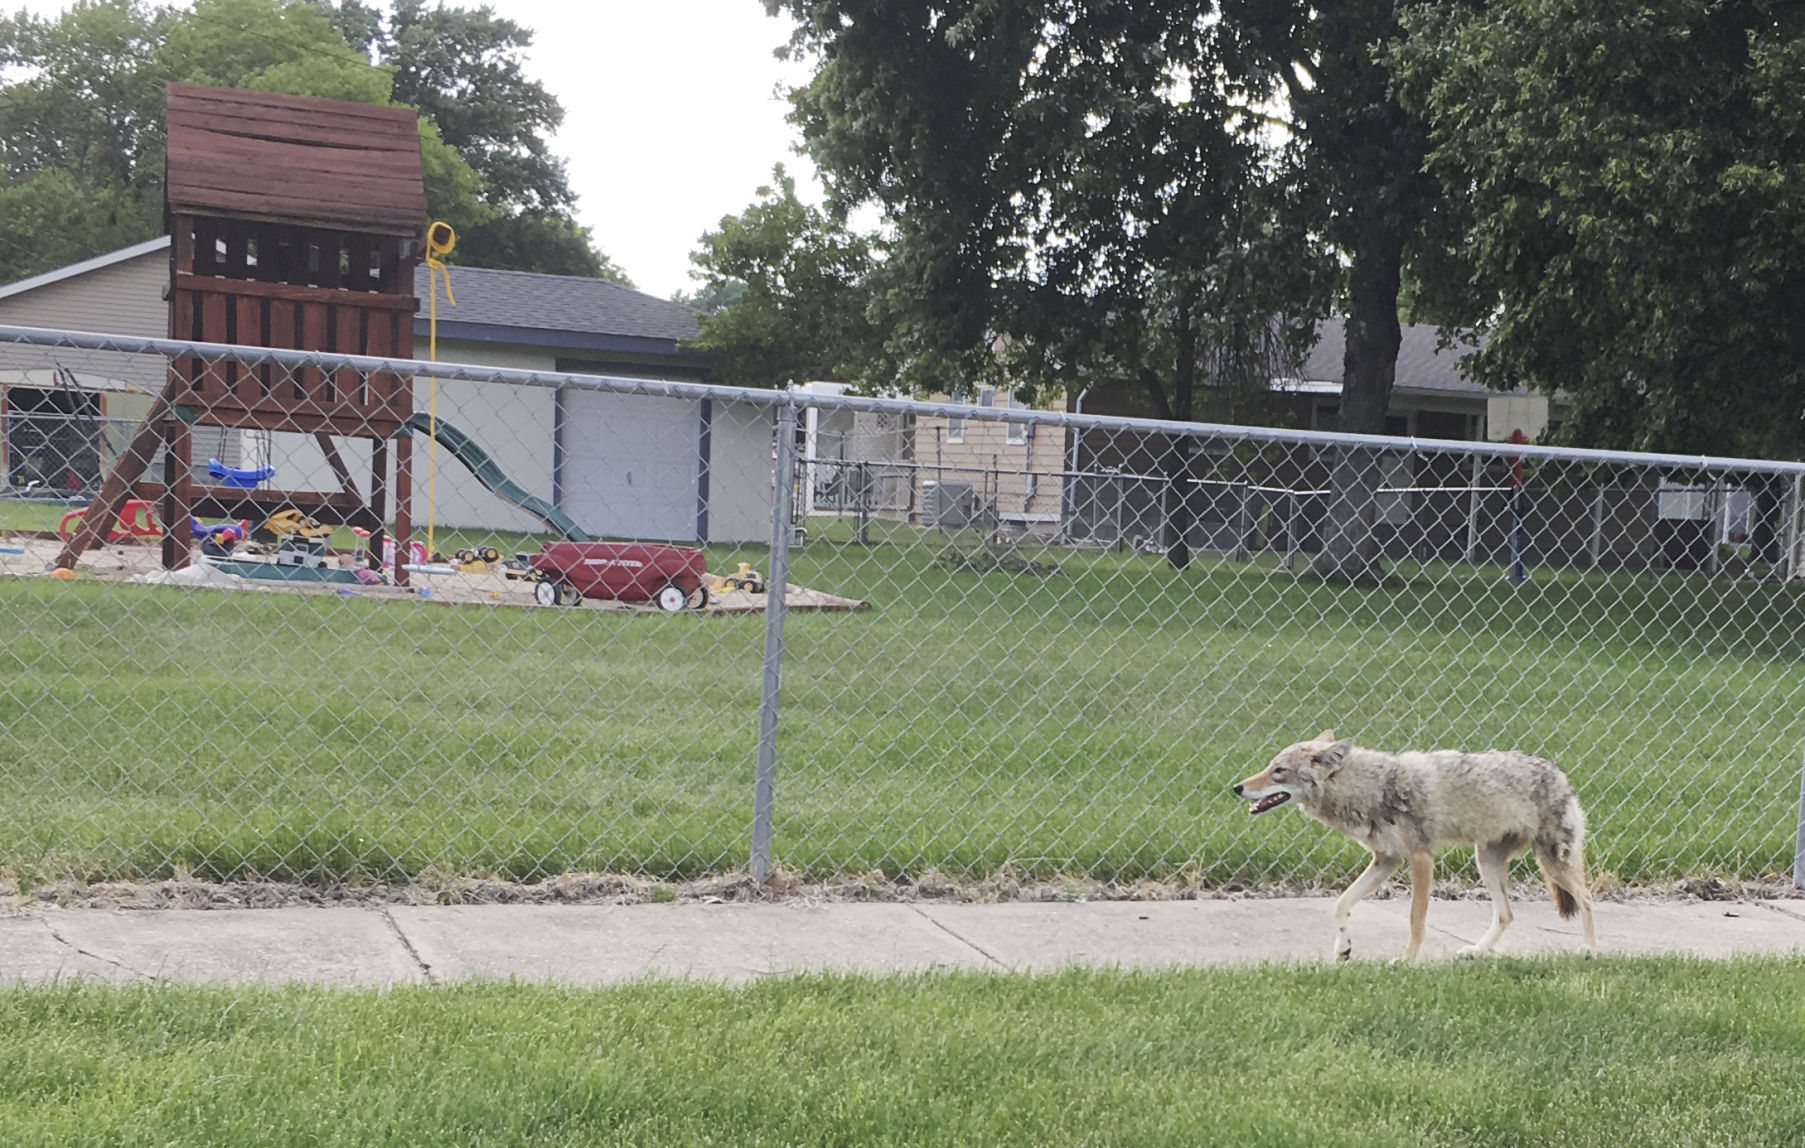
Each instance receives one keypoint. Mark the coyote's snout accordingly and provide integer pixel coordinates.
(1406, 806)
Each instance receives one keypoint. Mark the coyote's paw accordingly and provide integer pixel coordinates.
(1344, 947)
(1468, 952)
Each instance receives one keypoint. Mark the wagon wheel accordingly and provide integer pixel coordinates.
(671, 599)
(698, 598)
(548, 590)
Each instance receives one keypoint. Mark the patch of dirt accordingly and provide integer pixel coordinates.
(184, 892)
(126, 562)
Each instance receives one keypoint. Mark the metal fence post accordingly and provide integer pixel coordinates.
(1473, 513)
(1789, 560)
(776, 584)
(1798, 847)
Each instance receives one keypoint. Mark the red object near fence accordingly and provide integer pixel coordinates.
(671, 576)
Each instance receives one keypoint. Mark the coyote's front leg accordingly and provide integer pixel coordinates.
(1383, 866)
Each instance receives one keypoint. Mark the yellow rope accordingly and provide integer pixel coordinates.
(440, 239)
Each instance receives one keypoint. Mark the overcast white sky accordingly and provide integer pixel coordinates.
(671, 117)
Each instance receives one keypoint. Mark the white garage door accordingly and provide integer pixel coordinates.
(630, 465)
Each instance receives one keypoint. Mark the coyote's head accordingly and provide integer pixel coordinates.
(1298, 771)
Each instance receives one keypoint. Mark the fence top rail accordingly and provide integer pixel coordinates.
(177, 348)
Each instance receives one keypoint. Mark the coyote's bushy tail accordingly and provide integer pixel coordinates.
(1560, 853)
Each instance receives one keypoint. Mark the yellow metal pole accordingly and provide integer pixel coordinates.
(440, 239)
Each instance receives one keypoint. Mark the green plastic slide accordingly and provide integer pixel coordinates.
(465, 450)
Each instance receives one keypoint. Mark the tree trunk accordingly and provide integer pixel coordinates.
(1177, 505)
(1350, 546)
(1179, 447)
(1766, 538)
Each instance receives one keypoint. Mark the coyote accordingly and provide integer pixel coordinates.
(1405, 806)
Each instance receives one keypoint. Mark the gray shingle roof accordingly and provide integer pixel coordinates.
(557, 303)
(1422, 365)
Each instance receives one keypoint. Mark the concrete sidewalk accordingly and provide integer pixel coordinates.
(597, 944)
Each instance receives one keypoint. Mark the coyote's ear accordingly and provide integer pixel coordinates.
(1329, 760)
(1325, 735)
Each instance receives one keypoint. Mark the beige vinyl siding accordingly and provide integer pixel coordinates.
(123, 299)
(1018, 481)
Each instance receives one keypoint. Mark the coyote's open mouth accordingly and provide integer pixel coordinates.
(1270, 801)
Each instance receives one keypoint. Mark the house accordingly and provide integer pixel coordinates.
(1117, 490)
(622, 466)
(1007, 473)
(932, 469)
(1430, 398)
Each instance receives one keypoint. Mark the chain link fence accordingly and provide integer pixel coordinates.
(534, 627)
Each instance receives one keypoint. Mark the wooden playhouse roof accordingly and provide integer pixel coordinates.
(294, 159)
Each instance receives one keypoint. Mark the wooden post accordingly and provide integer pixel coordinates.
(336, 461)
(379, 499)
(178, 499)
(117, 486)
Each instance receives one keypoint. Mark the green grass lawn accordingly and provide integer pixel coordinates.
(30, 515)
(1579, 1052)
(1085, 721)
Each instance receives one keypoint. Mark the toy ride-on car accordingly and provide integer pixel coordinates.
(564, 573)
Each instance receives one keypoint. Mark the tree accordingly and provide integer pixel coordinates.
(80, 134)
(464, 69)
(1360, 158)
(1142, 188)
(1074, 184)
(81, 122)
(1638, 222)
(789, 286)
(713, 296)
(548, 242)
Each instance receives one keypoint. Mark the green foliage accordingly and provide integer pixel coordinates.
(536, 240)
(51, 218)
(790, 284)
(268, 46)
(1160, 192)
(714, 295)
(1078, 180)
(1637, 214)
(80, 133)
(454, 192)
(81, 111)
(464, 69)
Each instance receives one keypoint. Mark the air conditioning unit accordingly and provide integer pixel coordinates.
(948, 503)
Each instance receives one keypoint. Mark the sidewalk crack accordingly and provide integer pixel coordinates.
(419, 961)
(62, 940)
(973, 945)
(1769, 905)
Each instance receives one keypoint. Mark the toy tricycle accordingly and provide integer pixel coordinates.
(563, 573)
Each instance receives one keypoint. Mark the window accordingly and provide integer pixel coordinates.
(1015, 434)
(955, 430)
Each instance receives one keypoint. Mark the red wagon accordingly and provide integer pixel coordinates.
(671, 576)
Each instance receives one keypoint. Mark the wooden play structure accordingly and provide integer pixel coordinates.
(295, 223)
